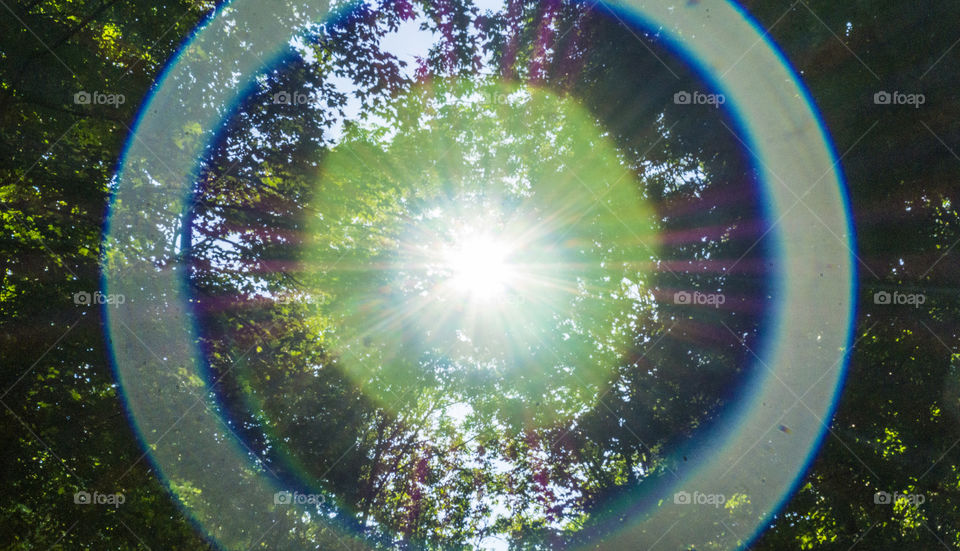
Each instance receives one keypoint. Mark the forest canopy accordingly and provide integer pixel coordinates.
(458, 276)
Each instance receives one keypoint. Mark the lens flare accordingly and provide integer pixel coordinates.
(545, 354)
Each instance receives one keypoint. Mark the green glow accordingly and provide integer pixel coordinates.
(495, 239)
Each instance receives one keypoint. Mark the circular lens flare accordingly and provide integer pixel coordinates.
(779, 119)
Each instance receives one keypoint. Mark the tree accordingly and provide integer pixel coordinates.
(424, 473)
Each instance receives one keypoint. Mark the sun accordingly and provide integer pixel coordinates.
(479, 267)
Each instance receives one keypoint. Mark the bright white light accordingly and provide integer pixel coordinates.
(479, 267)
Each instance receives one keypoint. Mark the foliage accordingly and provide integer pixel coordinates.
(410, 472)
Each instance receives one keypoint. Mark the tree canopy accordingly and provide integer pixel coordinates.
(438, 294)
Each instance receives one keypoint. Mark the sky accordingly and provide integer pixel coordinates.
(408, 43)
